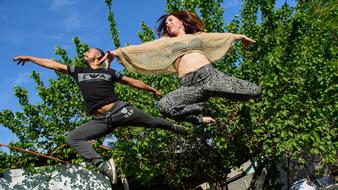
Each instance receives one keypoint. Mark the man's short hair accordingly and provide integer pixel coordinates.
(101, 51)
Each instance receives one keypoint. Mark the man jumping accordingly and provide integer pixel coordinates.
(107, 111)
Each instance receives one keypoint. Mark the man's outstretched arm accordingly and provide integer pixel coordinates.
(50, 64)
(139, 84)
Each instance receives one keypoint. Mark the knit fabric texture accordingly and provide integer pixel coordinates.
(158, 56)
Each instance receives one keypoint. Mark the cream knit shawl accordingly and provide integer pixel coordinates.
(158, 56)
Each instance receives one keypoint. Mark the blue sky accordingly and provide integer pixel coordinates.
(35, 27)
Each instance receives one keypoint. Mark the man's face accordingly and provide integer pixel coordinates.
(90, 55)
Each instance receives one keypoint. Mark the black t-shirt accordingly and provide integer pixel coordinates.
(96, 85)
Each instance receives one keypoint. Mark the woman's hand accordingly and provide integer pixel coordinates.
(245, 40)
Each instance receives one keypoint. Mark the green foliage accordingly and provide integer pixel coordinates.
(294, 61)
(213, 20)
(41, 127)
(146, 34)
(113, 27)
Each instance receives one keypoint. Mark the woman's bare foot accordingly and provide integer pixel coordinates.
(208, 120)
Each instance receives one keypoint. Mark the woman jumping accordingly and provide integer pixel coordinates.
(186, 49)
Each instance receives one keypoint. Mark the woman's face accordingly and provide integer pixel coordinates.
(174, 26)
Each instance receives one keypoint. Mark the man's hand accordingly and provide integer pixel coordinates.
(156, 92)
(245, 40)
(108, 58)
(21, 60)
(47, 63)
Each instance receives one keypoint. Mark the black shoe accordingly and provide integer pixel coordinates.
(180, 130)
(108, 169)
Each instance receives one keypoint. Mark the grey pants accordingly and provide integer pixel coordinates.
(187, 102)
(121, 114)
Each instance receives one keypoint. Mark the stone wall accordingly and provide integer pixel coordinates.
(63, 177)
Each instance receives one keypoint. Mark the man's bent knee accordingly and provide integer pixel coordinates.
(70, 138)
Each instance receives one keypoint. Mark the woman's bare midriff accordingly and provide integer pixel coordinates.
(190, 62)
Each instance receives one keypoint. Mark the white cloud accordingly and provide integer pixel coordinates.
(54, 37)
(72, 22)
(7, 89)
(22, 79)
(67, 12)
(19, 79)
(61, 4)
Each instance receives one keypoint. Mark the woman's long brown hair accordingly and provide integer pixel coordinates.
(191, 22)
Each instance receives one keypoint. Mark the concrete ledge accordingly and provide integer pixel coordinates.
(65, 177)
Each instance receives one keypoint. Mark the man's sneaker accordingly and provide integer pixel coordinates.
(180, 130)
(108, 169)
